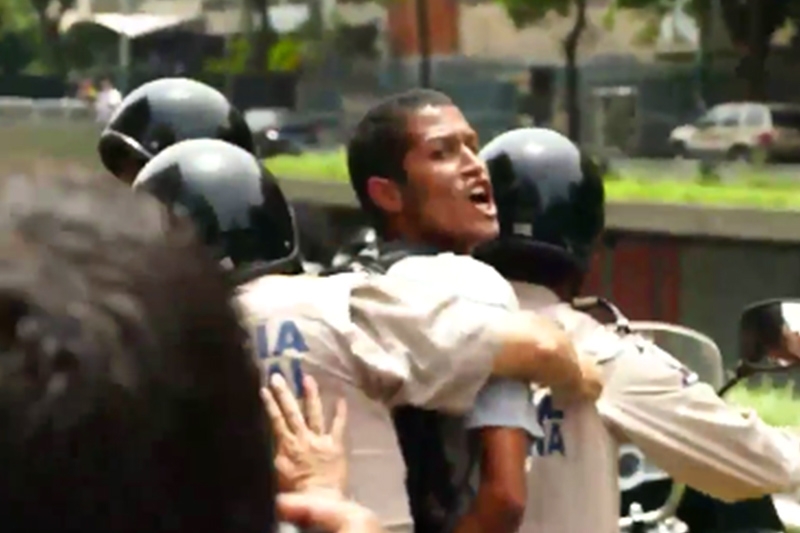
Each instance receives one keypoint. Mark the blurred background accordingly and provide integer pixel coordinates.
(629, 79)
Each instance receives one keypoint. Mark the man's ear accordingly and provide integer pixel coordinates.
(385, 194)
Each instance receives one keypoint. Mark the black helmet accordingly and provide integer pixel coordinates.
(550, 199)
(166, 111)
(236, 204)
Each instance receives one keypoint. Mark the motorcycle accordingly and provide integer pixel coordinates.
(766, 328)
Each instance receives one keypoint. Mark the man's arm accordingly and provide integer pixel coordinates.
(533, 348)
(433, 348)
(505, 421)
(690, 432)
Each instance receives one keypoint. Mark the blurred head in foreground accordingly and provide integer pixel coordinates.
(128, 401)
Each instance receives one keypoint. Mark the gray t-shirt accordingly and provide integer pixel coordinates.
(501, 403)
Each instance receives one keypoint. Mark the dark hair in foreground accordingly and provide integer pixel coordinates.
(128, 400)
(380, 141)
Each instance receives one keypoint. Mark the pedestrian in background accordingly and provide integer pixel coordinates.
(107, 100)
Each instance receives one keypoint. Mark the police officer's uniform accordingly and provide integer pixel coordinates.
(550, 202)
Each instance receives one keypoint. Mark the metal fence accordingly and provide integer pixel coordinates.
(14, 110)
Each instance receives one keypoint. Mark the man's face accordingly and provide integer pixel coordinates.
(448, 198)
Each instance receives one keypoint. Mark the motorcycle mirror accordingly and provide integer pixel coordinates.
(769, 335)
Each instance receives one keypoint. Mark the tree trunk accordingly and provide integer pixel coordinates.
(757, 52)
(263, 38)
(750, 24)
(50, 42)
(572, 76)
(423, 43)
(49, 19)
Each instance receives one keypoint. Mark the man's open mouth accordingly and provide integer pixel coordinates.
(482, 199)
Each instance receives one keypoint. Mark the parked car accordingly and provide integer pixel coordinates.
(743, 131)
(279, 131)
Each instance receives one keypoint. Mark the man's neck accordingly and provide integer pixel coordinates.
(413, 239)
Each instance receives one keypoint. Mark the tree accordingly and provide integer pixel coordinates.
(264, 38)
(750, 25)
(17, 36)
(48, 15)
(526, 12)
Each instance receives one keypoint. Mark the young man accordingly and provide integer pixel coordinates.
(162, 112)
(376, 340)
(551, 209)
(414, 166)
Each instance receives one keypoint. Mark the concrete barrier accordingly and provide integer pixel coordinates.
(677, 220)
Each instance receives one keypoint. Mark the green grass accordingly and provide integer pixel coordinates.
(50, 147)
(777, 405)
(754, 190)
(322, 166)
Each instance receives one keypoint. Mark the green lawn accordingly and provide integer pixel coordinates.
(49, 147)
(755, 189)
(777, 405)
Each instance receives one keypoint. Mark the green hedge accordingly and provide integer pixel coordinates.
(751, 189)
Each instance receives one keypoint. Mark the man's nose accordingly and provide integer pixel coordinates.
(472, 164)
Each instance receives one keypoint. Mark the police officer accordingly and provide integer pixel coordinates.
(414, 166)
(376, 340)
(551, 208)
(162, 112)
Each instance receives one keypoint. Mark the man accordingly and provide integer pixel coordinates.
(351, 331)
(107, 100)
(128, 401)
(414, 166)
(162, 112)
(552, 209)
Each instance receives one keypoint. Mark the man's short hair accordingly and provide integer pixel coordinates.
(380, 142)
(129, 401)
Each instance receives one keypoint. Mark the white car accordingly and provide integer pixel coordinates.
(744, 131)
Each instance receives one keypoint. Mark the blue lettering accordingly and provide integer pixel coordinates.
(296, 378)
(289, 338)
(555, 444)
(282, 357)
(261, 341)
(550, 419)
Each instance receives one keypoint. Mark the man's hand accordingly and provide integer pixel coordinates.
(308, 459)
(322, 513)
(590, 386)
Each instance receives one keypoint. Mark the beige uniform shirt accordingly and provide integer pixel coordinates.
(651, 401)
(378, 341)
